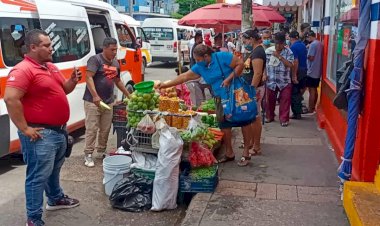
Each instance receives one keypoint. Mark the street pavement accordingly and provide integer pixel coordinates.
(294, 182)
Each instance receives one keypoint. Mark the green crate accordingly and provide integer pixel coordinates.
(144, 173)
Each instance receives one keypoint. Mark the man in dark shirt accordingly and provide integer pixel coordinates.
(298, 73)
(103, 71)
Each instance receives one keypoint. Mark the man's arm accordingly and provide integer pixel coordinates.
(12, 98)
(311, 53)
(70, 84)
(91, 87)
(295, 71)
(119, 84)
(311, 58)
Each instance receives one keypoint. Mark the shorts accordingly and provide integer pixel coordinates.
(312, 82)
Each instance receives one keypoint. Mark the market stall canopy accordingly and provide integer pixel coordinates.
(222, 14)
(283, 2)
(351, 15)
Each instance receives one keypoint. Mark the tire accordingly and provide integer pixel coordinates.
(129, 87)
(143, 65)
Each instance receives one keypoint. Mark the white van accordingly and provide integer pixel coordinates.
(142, 38)
(164, 35)
(77, 29)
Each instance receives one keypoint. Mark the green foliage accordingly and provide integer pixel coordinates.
(176, 15)
(187, 6)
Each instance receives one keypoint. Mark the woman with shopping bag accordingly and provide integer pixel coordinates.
(236, 101)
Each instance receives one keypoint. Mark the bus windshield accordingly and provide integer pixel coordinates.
(159, 33)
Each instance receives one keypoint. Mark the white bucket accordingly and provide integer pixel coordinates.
(114, 168)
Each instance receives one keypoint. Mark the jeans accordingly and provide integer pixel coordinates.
(285, 98)
(96, 120)
(44, 158)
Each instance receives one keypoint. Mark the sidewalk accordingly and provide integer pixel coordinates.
(294, 182)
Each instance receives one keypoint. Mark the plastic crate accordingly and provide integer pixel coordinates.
(119, 116)
(144, 173)
(205, 185)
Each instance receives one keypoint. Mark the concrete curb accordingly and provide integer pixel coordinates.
(196, 209)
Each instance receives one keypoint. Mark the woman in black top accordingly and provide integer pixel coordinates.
(254, 64)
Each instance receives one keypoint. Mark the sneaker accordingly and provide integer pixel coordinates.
(88, 161)
(35, 223)
(64, 203)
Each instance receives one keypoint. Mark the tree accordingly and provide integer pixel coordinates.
(187, 6)
(176, 16)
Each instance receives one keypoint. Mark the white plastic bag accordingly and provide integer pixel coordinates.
(146, 125)
(144, 161)
(160, 124)
(165, 185)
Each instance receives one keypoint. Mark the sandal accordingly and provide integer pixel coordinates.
(226, 159)
(284, 124)
(255, 152)
(244, 161)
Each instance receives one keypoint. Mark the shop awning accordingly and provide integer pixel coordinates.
(277, 3)
(351, 15)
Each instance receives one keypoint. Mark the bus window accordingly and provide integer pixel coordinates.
(159, 33)
(70, 39)
(12, 35)
(142, 34)
(124, 35)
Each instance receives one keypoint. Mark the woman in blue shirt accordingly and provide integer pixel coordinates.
(218, 70)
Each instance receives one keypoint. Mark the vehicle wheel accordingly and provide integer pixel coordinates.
(143, 65)
(129, 87)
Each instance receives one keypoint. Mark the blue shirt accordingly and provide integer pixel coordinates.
(212, 73)
(300, 53)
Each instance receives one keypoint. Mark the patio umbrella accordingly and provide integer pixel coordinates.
(230, 14)
(355, 90)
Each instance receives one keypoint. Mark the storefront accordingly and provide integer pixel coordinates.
(290, 9)
(340, 30)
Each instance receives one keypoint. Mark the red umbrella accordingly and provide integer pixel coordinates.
(230, 14)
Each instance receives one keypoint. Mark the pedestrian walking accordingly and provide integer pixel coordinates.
(35, 97)
(314, 69)
(103, 71)
(254, 65)
(279, 62)
(299, 73)
(230, 44)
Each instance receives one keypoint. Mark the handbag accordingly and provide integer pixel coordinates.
(240, 102)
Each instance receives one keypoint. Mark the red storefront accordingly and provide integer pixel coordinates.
(340, 22)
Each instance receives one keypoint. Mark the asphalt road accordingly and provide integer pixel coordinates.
(80, 182)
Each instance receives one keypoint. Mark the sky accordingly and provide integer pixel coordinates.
(239, 1)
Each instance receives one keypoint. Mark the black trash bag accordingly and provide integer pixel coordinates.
(132, 194)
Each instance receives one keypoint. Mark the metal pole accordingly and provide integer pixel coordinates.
(130, 7)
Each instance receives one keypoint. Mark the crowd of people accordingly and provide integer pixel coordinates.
(281, 67)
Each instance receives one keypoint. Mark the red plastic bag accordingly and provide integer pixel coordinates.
(200, 156)
(146, 125)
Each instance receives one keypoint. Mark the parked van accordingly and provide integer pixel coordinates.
(77, 29)
(164, 35)
(141, 39)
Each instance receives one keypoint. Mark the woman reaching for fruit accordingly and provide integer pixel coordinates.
(218, 69)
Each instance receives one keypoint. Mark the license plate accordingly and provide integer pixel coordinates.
(156, 48)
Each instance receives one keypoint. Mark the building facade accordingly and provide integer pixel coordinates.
(142, 9)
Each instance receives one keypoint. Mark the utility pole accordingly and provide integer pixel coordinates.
(246, 19)
(130, 7)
